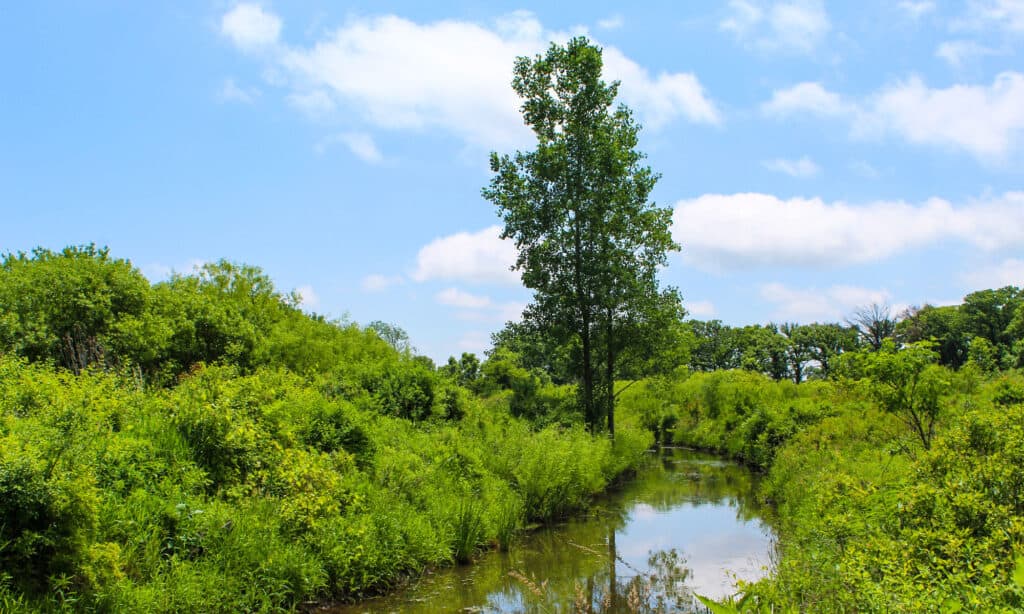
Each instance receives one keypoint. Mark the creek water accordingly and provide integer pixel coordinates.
(687, 523)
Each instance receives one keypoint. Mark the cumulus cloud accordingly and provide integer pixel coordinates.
(481, 257)
(727, 231)
(661, 99)
(804, 167)
(250, 27)
(398, 74)
(983, 120)
(1009, 272)
(795, 26)
(377, 282)
(807, 97)
(813, 304)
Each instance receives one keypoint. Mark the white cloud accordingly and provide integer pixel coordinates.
(613, 22)
(916, 10)
(958, 52)
(481, 257)
(458, 298)
(232, 92)
(1007, 15)
(719, 231)
(308, 298)
(699, 309)
(398, 74)
(804, 167)
(662, 99)
(1009, 272)
(360, 144)
(796, 25)
(985, 121)
(807, 97)
(812, 304)
(377, 282)
(250, 27)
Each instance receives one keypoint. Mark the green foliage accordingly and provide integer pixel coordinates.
(866, 520)
(75, 308)
(261, 491)
(201, 444)
(403, 388)
(589, 243)
(907, 383)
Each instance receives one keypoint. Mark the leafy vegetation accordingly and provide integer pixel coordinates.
(897, 482)
(589, 243)
(202, 444)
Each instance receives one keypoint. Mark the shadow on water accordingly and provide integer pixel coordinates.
(687, 523)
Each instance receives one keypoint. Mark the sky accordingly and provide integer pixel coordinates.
(818, 156)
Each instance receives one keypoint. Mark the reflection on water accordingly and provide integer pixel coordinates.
(688, 523)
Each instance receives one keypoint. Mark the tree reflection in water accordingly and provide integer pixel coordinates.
(673, 530)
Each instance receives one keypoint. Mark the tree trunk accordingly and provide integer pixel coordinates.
(588, 376)
(610, 375)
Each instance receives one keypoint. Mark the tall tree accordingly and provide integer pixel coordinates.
(715, 346)
(825, 342)
(946, 326)
(589, 242)
(989, 313)
(874, 322)
(798, 349)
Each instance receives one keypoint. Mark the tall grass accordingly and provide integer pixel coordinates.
(260, 492)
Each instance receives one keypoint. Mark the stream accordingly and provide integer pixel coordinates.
(687, 523)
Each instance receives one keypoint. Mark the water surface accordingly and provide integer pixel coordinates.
(687, 523)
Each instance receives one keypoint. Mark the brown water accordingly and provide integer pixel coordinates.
(687, 523)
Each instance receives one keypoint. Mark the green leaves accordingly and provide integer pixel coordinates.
(1018, 572)
(906, 382)
(589, 243)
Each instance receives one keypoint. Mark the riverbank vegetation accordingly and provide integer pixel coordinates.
(896, 476)
(202, 444)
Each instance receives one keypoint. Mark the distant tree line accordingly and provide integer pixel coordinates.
(987, 328)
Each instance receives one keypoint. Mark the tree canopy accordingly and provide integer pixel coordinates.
(590, 243)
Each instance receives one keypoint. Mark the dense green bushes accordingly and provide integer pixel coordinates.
(203, 445)
(743, 414)
(237, 492)
(871, 515)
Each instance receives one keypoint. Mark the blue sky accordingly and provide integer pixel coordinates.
(819, 156)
